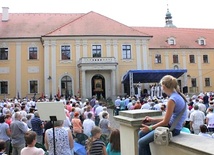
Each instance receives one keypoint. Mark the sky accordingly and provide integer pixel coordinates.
(185, 13)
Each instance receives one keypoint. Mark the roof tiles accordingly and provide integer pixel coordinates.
(29, 25)
(185, 37)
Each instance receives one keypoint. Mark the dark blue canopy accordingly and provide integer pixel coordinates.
(150, 76)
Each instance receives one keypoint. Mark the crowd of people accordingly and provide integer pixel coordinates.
(21, 126)
(20, 116)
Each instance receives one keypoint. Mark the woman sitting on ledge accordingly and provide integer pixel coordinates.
(175, 105)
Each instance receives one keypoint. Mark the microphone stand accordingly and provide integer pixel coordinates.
(53, 119)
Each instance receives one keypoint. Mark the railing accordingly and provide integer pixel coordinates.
(97, 60)
(193, 89)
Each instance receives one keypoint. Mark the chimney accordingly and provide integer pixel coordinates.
(5, 14)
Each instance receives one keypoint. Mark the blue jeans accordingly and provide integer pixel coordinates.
(143, 142)
(146, 138)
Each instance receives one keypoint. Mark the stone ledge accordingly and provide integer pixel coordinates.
(194, 143)
(135, 114)
(186, 144)
(134, 117)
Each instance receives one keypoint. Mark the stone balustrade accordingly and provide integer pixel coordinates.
(97, 60)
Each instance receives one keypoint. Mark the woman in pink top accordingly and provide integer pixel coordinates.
(77, 124)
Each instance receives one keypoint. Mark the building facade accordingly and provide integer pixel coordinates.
(88, 54)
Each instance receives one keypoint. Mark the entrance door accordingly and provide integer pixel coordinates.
(98, 86)
(66, 87)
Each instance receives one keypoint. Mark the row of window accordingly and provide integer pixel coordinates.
(176, 60)
(66, 82)
(96, 52)
(33, 85)
(206, 82)
(172, 41)
(66, 52)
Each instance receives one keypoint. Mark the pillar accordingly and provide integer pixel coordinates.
(83, 84)
(113, 83)
(18, 69)
(46, 67)
(130, 123)
(53, 82)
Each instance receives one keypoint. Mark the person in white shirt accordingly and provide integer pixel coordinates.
(210, 120)
(101, 113)
(23, 111)
(147, 104)
(197, 118)
(202, 106)
(196, 101)
(5, 109)
(97, 111)
(157, 105)
(67, 123)
(88, 125)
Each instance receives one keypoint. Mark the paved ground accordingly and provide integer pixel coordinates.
(114, 123)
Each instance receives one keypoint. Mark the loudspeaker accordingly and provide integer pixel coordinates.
(185, 89)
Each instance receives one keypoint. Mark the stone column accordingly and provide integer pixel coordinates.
(84, 43)
(184, 67)
(77, 69)
(113, 83)
(108, 48)
(115, 49)
(18, 69)
(46, 66)
(138, 54)
(145, 54)
(83, 84)
(200, 81)
(53, 83)
(166, 54)
(130, 123)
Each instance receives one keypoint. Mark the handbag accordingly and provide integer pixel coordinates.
(163, 135)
